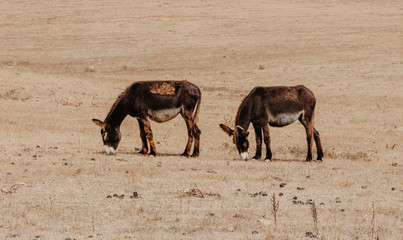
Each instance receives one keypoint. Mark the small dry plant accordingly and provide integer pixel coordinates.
(373, 222)
(314, 213)
(13, 188)
(274, 208)
(194, 192)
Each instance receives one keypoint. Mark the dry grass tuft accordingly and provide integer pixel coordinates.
(193, 192)
(274, 208)
(314, 214)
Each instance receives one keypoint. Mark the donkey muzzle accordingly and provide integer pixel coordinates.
(244, 155)
(109, 149)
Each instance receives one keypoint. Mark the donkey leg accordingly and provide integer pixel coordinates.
(319, 148)
(309, 138)
(196, 148)
(149, 136)
(189, 124)
(266, 135)
(307, 120)
(144, 145)
(258, 134)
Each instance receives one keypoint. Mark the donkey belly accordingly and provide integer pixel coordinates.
(164, 115)
(283, 119)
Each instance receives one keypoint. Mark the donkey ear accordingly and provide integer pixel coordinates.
(227, 129)
(243, 132)
(98, 122)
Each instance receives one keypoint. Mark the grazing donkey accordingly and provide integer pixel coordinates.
(277, 107)
(159, 101)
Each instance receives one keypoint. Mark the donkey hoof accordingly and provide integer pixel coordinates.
(185, 154)
(308, 159)
(257, 157)
(195, 155)
(153, 154)
(143, 152)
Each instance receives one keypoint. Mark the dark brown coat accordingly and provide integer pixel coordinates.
(159, 101)
(276, 107)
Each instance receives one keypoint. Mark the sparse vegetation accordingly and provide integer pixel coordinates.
(348, 53)
(274, 208)
(314, 214)
(193, 192)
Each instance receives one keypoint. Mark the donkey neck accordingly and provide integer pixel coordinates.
(243, 115)
(118, 112)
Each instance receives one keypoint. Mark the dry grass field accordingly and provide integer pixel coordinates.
(63, 63)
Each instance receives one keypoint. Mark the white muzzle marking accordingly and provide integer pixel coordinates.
(109, 150)
(244, 156)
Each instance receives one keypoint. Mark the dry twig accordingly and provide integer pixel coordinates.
(194, 192)
(13, 188)
(373, 221)
(274, 208)
(315, 218)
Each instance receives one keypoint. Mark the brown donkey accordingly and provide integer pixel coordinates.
(277, 107)
(159, 101)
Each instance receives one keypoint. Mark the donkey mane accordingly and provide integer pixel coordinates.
(239, 108)
(239, 111)
(114, 109)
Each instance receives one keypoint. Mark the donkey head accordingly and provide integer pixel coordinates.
(110, 136)
(239, 138)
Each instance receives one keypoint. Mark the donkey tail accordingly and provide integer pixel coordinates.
(196, 113)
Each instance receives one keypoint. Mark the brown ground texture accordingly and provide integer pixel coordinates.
(63, 63)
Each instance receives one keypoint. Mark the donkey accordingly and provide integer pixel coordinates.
(159, 101)
(276, 107)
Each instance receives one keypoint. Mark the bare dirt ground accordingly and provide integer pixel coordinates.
(63, 63)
